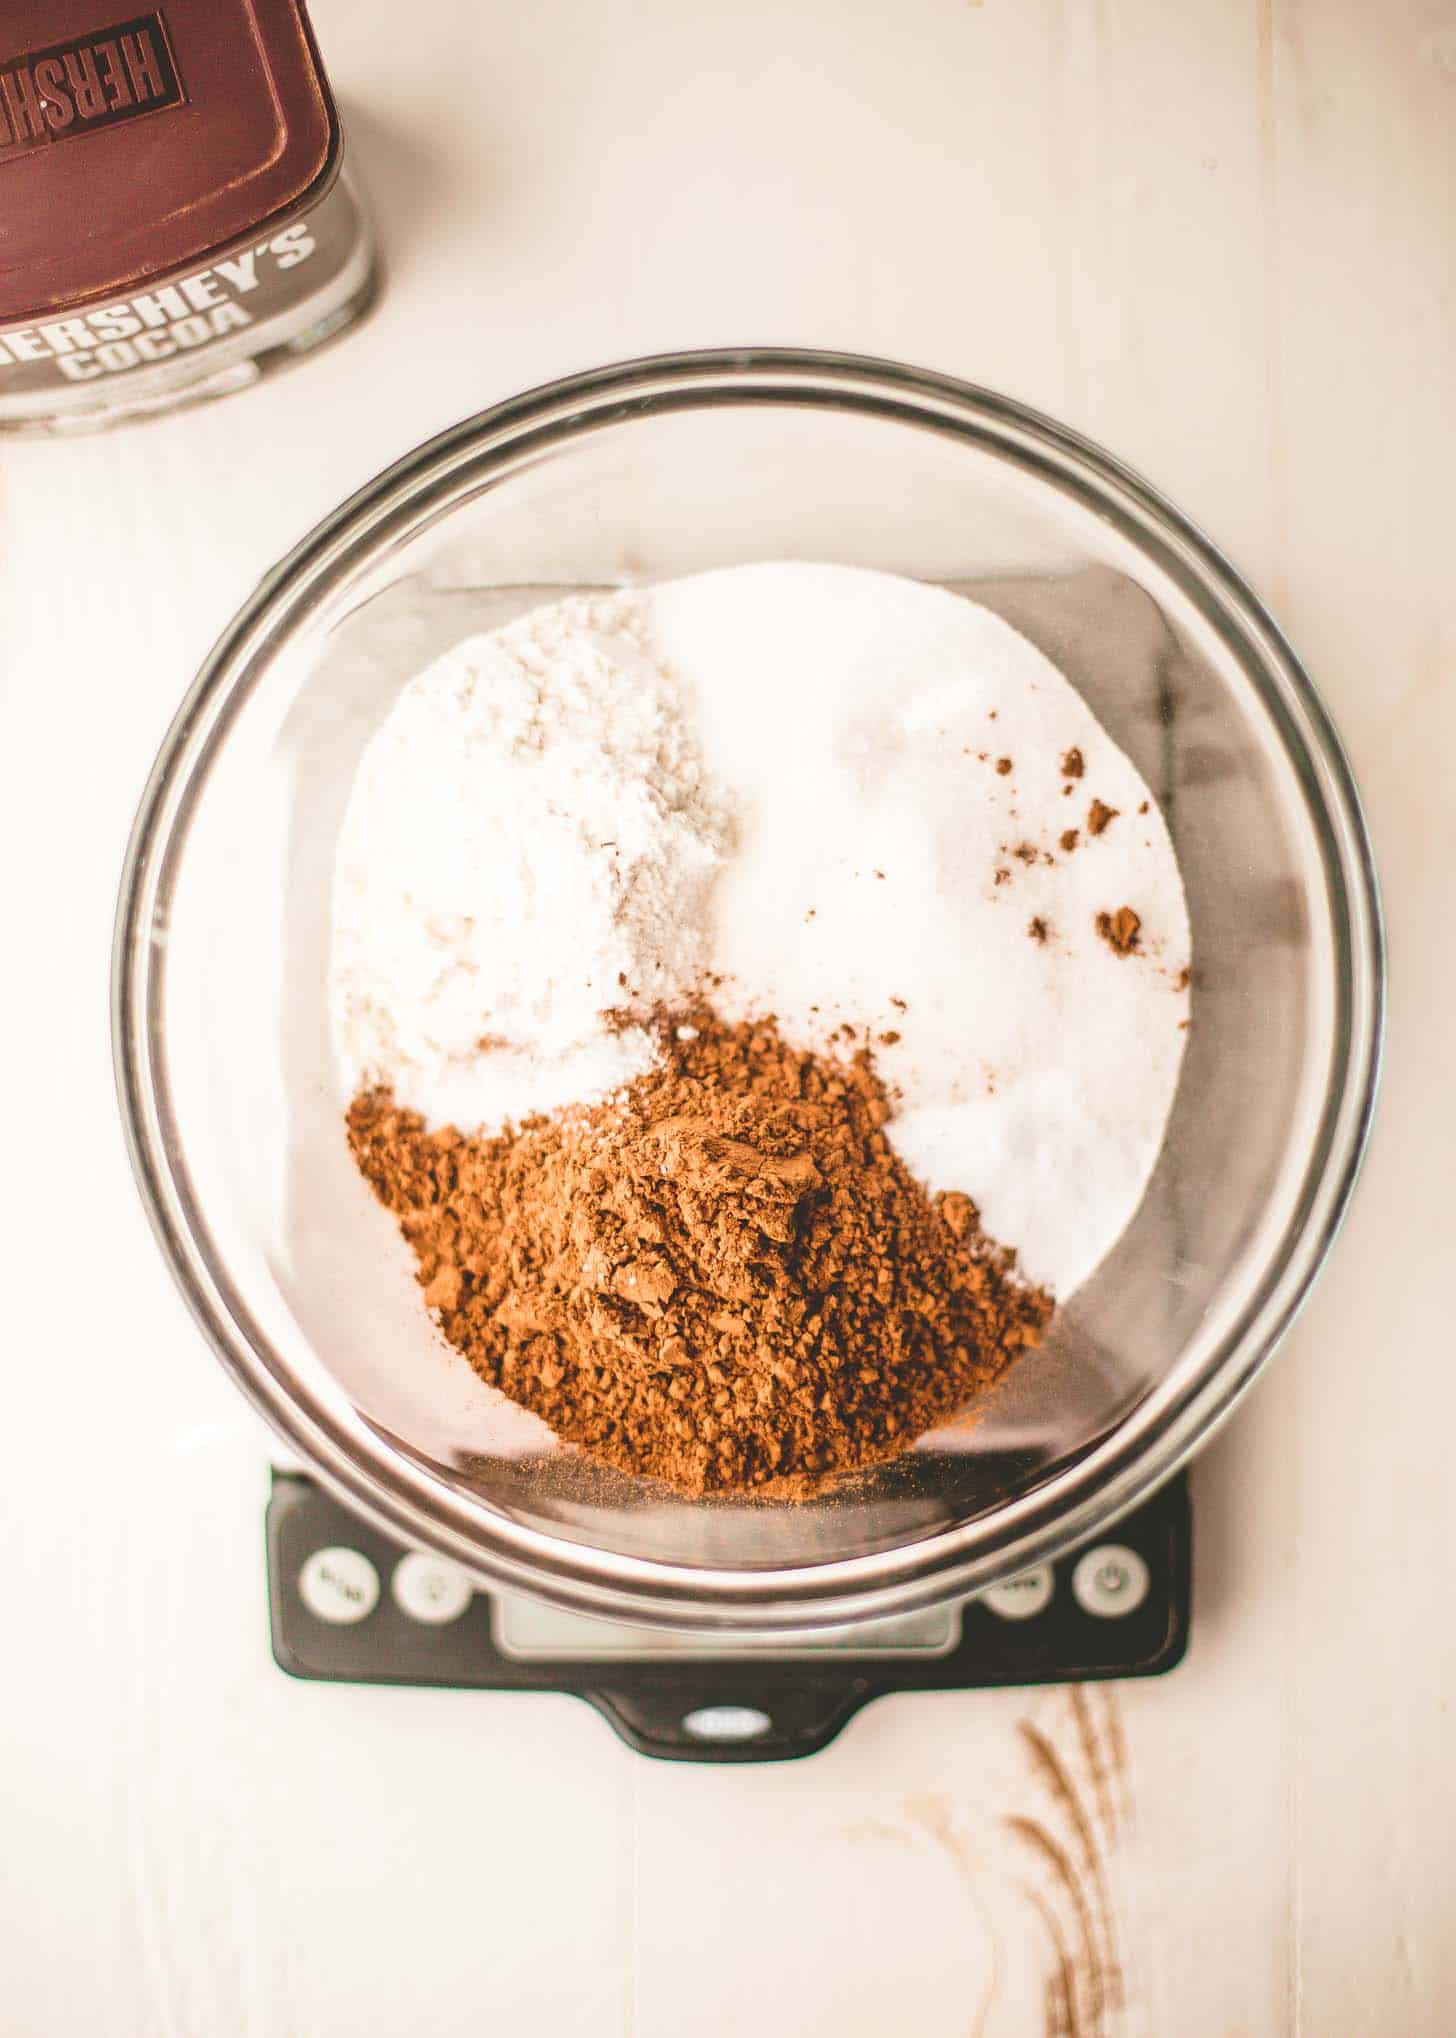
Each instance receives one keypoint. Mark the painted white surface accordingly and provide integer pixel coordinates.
(1217, 236)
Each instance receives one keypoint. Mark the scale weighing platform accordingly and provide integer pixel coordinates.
(348, 1605)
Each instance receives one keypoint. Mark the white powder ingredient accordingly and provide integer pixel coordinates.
(529, 843)
(547, 808)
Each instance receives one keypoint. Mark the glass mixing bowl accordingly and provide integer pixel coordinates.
(233, 1103)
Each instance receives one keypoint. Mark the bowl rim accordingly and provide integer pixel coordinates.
(387, 1486)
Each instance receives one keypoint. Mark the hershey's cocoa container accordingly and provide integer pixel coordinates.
(174, 222)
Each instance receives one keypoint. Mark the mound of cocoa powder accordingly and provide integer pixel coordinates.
(722, 1278)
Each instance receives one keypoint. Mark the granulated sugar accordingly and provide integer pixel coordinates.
(846, 795)
(888, 871)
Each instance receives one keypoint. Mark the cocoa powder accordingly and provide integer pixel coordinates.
(723, 1277)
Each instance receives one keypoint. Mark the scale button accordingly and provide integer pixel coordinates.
(1110, 1581)
(339, 1585)
(1022, 1597)
(430, 1589)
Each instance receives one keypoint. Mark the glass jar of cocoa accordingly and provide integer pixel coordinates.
(176, 218)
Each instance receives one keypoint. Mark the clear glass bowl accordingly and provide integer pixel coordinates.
(233, 1103)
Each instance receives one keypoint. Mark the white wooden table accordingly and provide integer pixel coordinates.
(1219, 236)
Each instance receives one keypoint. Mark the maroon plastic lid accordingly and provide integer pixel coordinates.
(136, 140)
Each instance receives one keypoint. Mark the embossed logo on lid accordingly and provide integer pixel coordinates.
(87, 83)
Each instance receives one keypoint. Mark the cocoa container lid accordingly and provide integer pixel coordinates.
(139, 140)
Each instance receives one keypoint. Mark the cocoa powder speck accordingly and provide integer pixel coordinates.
(1121, 930)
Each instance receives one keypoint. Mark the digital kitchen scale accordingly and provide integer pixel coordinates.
(348, 1605)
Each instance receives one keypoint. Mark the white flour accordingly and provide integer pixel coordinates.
(851, 724)
(529, 842)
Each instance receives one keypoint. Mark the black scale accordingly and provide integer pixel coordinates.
(348, 1605)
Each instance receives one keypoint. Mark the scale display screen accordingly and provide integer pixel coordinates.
(534, 1632)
